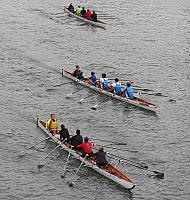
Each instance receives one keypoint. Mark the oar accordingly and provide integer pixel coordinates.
(62, 84)
(71, 183)
(136, 164)
(158, 174)
(85, 98)
(155, 94)
(121, 80)
(42, 164)
(64, 170)
(23, 152)
(95, 106)
(132, 151)
(74, 92)
(112, 142)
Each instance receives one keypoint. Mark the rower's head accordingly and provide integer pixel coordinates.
(88, 10)
(128, 84)
(101, 149)
(53, 116)
(77, 67)
(116, 80)
(62, 126)
(92, 73)
(78, 132)
(86, 139)
(78, 6)
(83, 8)
(103, 75)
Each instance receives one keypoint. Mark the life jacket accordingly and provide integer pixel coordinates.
(51, 124)
(105, 83)
(129, 91)
(117, 87)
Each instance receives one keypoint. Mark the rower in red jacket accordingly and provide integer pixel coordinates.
(88, 14)
(86, 147)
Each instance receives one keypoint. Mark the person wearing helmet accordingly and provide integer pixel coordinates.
(117, 86)
(86, 147)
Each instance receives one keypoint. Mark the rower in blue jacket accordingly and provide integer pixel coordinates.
(128, 91)
(93, 79)
(117, 86)
(104, 83)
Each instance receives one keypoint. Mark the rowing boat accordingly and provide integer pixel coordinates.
(109, 171)
(138, 102)
(99, 23)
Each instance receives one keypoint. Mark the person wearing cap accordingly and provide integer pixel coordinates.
(128, 91)
(100, 157)
(93, 79)
(86, 147)
(78, 10)
(64, 134)
(71, 8)
(78, 73)
(77, 139)
(117, 86)
(94, 16)
(104, 83)
(52, 125)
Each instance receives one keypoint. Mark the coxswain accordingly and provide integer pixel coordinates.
(93, 79)
(78, 73)
(86, 147)
(104, 82)
(83, 12)
(78, 10)
(128, 91)
(88, 14)
(52, 125)
(64, 134)
(71, 8)
(77, 139)
(117, 86)
(100, 157)
(94, 16)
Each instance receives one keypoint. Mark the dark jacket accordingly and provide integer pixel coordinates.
(83, 12)
(64, 134)
(94, 17)
(101, 158)
(76, 140)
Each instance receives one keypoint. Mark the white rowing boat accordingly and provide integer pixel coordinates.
(108, 171)
(99, 23)
(138, 102)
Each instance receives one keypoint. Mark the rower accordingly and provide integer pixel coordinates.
(78, 73)
(93, 79)
(104, 82)
(52, 125)
(100, 157)
(83, 12)
(71, 8)
(86, 147)
(117, 86)
(64, 134)
(88, 14)
(128, 91)
(78, 10)
(77, 139)
(94, 16)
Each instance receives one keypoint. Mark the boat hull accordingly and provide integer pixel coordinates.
(125, 182)
(98, 24)
(138, 102)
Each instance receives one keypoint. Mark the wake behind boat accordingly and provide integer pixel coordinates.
(109, 171)
(138, 102)
(97, 23)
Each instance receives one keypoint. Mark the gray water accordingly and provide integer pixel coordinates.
(146, 42)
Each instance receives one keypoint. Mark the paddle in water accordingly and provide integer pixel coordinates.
(73, 92)
(42, 164)
(71, 183)
(85, 98)
(64, 170)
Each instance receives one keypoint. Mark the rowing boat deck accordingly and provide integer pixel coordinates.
(107, 168)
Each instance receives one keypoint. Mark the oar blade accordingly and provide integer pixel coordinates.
(159, 175)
